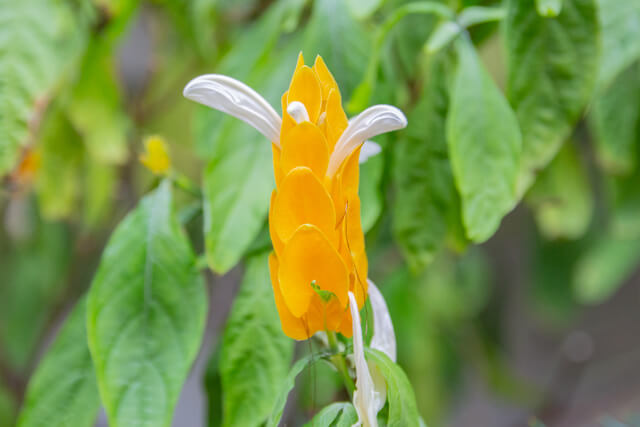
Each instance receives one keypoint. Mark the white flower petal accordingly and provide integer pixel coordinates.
(384, 337)
(237, 99)
(366, 399)
(371, 122)
(369, 149)
(298, 111)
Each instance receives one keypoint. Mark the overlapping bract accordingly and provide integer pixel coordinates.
(314, 217)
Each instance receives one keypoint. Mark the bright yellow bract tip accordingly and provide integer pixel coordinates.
(156, 156)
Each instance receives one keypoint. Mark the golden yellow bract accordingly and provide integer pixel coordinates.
(314, 219)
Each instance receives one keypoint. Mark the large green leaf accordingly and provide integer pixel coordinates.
(553, 64)
(403, 411)
(426, 197)
(561, 197)
(604, 268)
(255, 354)
(339, 414)
(39, 41)
(145, 314)
(620, 22)
(63, 390)
(340, 40)
(484, 146)
(614, 119)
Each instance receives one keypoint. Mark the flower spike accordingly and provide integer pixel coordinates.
(315, 224)
(237, 99)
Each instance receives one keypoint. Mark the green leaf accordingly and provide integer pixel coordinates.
(403, 411)
(63, 390)
(59, 177)
(145, 314)
(96, 107)
(614, 119)
(549, 8)
(484, 145)
(620, 23)
(28, 295)
(341, 41)
(370, 190)
(287, 385)
(561, 197)
(625, 206)
(100, 186)
(40, 40)
(339, 414)
(426, 197)
(604, 268)
(444, 33)
(362, 9)
(475, 15)
(552, 66)
(7, 407)
(255, 354)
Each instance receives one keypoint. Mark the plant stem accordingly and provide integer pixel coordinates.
(340, 363)
(185, 184)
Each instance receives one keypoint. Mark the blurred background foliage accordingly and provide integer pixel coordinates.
(533, 322)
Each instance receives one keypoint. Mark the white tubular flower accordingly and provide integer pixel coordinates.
(298, 111)
(369, 149)
(370, 394)
(384, 337)
(236, 99)
(373, 121)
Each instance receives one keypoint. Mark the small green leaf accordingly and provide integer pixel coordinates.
(620, 23)
(561, 197)
(604, 268)
(145, 314)
(615, 119)
(427, 202)
(401, 399)
(552, 66)
(63, 390)
(549, 8)
(475, 15)
(625, 202)
(255, 354)
(339, 414)
(442, 35)
(484, 145)
(287, 385)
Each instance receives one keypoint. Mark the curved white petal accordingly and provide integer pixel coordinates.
(366, 399)
(384, 337)
(371, 122)
(237, 99)
(369, 149)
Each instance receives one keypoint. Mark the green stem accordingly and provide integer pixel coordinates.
(185, 184)
(340, 363)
